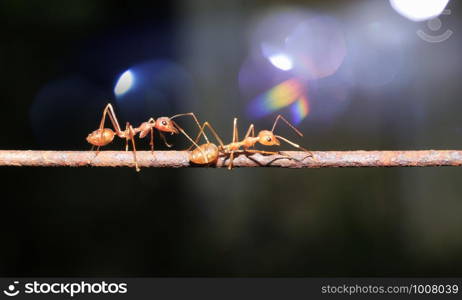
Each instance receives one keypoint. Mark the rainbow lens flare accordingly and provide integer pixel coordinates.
(300, 110)
(290, 92)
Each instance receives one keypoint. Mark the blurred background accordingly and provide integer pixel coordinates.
(358, 74)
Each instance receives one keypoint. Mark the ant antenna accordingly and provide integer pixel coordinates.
(288, 123)
(310, 154)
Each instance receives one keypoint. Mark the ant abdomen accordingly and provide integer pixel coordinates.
(205, 154)
(101, 137)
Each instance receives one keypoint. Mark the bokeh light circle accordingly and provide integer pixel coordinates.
(153, 88)
(317, 46)
(124, 83)
(310, 45)
(419, 10)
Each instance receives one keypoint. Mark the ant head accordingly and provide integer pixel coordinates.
(267, 138)
(165, 124)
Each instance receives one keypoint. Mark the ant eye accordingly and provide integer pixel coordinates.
(164, 123)
(268, 139)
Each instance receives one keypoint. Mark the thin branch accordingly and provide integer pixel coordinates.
(180, 159)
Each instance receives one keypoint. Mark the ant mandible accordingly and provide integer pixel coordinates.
(103, 136)
(208, 153)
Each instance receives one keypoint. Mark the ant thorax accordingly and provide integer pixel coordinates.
(249, 142)
(144, 129)
(232, 146)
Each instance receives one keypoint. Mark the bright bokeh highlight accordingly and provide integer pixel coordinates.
(281, 61)
(419, 10)
(311, 46)
(124, 83)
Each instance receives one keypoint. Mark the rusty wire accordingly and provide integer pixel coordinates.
(180, 159)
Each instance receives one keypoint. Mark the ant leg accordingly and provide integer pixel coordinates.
(165, 140)
(134, 156)
(214, 133)
(113, 117)
(231, 159)
(109, 110)
(235, 133)
(260, 151)
(132, 138)
(96, 153)
(201, 132)
(151, 143)
(235, 139)
(103, 119)
(189, 138)
(288, 124)
(198, 126)
(250, 132)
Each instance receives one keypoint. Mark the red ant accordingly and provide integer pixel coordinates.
(208, 153)
(103, 136)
